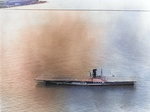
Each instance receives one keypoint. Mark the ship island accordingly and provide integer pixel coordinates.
(93, 79)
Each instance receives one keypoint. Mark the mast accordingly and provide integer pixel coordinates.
(101, 73)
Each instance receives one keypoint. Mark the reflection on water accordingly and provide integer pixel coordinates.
(73, 43)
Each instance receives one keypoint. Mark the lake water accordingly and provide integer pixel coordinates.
(56, 42)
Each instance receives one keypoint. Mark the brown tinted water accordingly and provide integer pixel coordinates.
(72, 43)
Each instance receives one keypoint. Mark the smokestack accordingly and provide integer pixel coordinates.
(94, 73)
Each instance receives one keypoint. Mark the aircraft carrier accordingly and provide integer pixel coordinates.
(93, 79)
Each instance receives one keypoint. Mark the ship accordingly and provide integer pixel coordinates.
(92, 80)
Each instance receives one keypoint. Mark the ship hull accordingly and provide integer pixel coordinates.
(86, 81)
(89, 83)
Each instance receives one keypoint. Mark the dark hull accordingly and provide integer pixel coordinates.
(90, 83)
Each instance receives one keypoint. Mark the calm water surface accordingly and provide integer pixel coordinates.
(72, 43)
